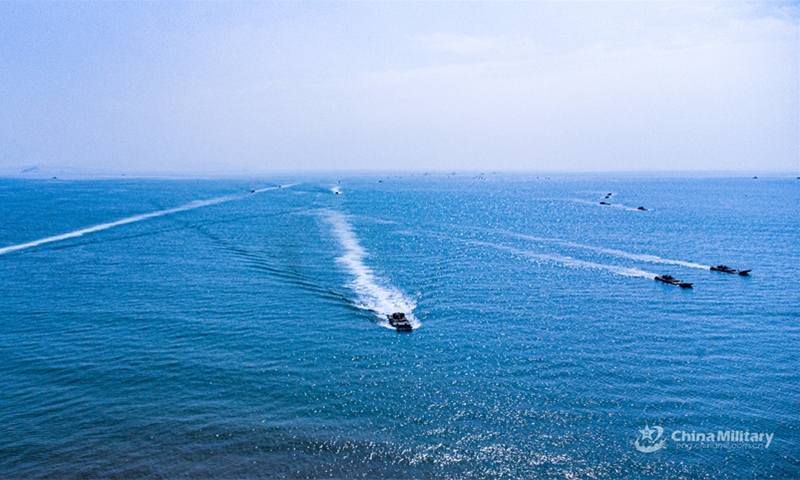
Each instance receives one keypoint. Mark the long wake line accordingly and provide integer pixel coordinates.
(133, 219)
(568, 261)
(610, 251)
(374, 293)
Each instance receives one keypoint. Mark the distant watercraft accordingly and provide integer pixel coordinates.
(641, 208)
(604, 203)
(672, 281)
(726, 269)
(399, 321)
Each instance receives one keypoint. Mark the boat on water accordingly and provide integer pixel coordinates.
(727, 269)
(399, 321)
(669, 279)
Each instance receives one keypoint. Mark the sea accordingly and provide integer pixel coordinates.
(237, 328)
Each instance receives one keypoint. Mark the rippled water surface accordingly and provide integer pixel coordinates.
(154, 328)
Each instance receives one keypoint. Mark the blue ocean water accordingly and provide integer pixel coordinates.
(195, 328)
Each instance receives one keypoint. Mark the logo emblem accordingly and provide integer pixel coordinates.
(646, 443)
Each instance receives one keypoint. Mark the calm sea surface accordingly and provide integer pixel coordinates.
(161, 328)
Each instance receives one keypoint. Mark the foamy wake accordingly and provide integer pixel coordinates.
(610, 251)
(609, 205)
(569, 261)
(374, 293)
(133, 219)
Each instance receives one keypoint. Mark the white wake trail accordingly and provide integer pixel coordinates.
(374, 293)
(133, 219)
(607, 205)
(610, 251)
(569, 261)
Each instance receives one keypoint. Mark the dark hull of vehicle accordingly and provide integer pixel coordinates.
(724, 269)
(673, 281)
(399, 322)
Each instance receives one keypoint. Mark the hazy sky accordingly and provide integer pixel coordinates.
(256, 87)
